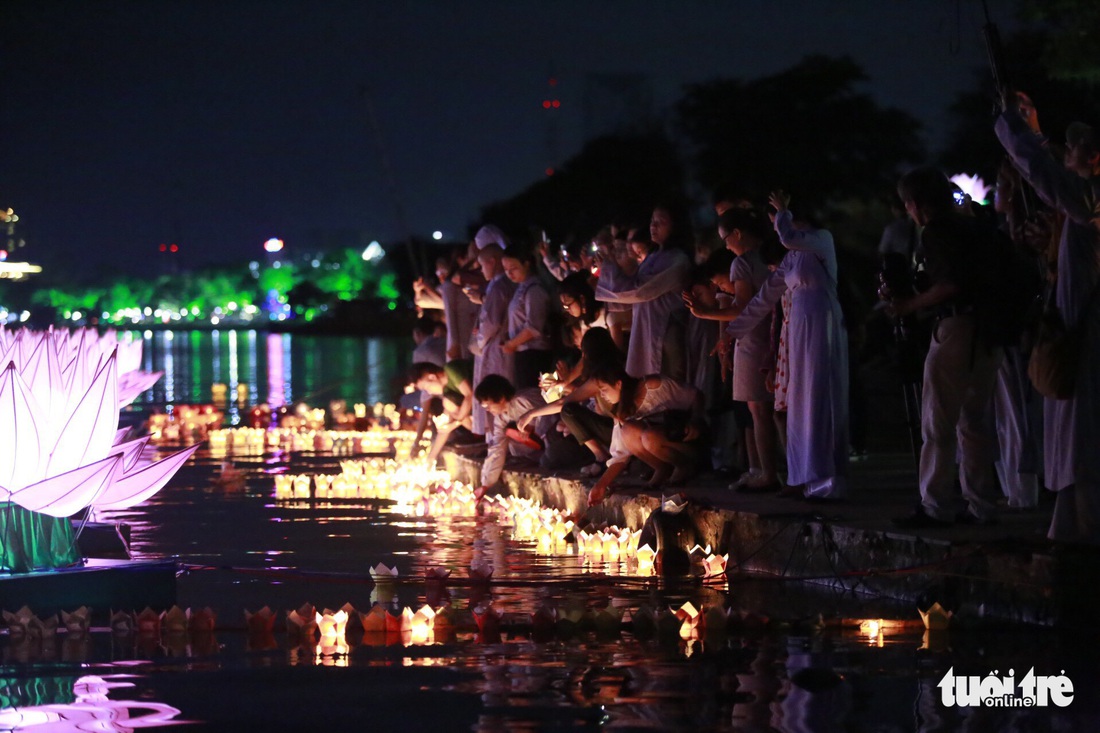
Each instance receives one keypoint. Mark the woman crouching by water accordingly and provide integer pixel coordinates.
(657, 419)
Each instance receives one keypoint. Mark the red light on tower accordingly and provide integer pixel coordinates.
(556, 103)
(163, 248)
(546, 104)
(174, 248)
(549, 171)
(552, 81)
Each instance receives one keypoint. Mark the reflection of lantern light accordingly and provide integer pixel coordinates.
(872, 629)
(645, 557)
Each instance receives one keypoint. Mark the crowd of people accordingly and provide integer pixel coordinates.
(642, 345)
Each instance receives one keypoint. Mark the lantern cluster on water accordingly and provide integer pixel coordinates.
(186, 423)
(260, 441)
(418, 487)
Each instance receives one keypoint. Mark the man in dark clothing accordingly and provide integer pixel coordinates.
(960, 369)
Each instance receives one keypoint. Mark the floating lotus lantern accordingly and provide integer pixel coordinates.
(374, 621)
(148, 622)
(488, 621)
(382, 574)
(936, 618)
(423, 625)
(332, 623)
(673, 504)
(645, 557)
(302, 622)
(78, 621)
(174, 620)
(689, 618)
(263, 621)
(122, 622)
(23, 623)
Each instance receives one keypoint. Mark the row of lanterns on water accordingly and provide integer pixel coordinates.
(258, 441)
(420, 489)
(367, 430)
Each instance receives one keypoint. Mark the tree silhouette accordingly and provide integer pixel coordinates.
(611, 178)
(806, 129)
(973, 147)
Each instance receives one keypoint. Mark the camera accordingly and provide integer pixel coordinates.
(895, 277)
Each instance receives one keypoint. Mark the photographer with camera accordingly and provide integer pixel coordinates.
(960, 368)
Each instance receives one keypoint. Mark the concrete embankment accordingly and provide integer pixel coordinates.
(1005, 572)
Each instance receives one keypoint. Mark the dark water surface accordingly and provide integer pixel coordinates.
(776, 668)
(277, 368)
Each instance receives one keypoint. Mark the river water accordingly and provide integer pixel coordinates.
(783, 661)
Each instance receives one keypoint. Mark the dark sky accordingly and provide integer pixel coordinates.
(219, 124)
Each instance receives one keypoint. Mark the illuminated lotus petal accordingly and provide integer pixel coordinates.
(131, 452)
(42, 374)
(66, 494)
(132, 384)
(90, 428)
(133, 488)
(20, 442)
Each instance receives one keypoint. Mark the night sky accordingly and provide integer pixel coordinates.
(219, 124)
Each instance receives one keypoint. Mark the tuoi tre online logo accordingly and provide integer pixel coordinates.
(1005, 692)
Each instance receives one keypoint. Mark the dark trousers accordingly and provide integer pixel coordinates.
(585, 425)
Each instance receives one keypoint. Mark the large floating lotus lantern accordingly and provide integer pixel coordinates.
(60, 447)
(973, 186)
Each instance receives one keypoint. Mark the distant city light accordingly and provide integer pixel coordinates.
(437, 235)
(273, 245)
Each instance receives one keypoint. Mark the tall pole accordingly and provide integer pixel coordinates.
(391, 184)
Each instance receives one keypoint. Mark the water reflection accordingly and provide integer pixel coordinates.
(316, 369)
(91, 707)
(550, 641)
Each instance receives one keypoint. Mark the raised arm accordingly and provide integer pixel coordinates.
(762, 305)
(1058, 187)
(671, 279)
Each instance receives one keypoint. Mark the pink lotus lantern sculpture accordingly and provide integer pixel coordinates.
(60, 447)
